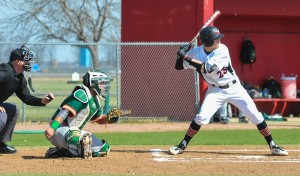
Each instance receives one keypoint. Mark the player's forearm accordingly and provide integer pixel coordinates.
(56, 123)
(194, 62)
(63, 114)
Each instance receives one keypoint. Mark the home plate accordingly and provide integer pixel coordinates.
(158, 152)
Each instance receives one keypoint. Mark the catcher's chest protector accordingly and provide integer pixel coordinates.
(85, 114)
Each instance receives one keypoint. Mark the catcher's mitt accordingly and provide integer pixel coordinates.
(114, 114)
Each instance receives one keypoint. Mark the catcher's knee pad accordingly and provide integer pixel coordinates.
(101, 150)
(79, 144)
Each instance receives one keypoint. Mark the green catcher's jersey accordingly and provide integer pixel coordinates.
(82, 107)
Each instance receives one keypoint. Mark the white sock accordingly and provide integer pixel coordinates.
(272, 143)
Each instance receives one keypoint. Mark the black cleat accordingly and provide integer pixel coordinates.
(6, 149)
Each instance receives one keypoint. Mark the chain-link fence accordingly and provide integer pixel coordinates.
(144, 78)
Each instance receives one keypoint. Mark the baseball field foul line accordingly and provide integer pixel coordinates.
(159, 155)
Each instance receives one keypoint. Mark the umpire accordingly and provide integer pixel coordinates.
(12, 81)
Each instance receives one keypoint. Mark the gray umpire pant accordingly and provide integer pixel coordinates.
(8, 120)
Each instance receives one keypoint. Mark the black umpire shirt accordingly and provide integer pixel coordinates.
(11, 82)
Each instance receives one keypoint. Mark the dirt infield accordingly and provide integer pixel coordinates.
(146, 160)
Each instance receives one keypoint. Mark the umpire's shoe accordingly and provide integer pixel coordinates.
(86, 145)
(6, 149)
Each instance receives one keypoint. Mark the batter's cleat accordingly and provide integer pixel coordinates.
(276, 150)
(86, 146)
(175, 150)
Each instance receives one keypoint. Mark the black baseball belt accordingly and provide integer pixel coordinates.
(226, 86)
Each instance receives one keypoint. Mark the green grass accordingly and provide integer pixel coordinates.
(204, 137)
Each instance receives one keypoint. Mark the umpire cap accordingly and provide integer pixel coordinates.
(23, 54)
(16, 54)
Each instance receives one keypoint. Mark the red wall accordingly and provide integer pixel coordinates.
(272, 25)
(158, 20)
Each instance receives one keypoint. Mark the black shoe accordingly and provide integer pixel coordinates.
(243, 120)
(55, 152)
(224, 121)
(6, 149)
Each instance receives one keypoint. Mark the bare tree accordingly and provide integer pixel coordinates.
(86, 21)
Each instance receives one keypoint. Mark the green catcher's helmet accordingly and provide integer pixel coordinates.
(99, 81)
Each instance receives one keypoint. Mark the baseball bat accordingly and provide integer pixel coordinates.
(213, 18)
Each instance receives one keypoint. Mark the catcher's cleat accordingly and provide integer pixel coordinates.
(105, 149)
(86, 146)
(175, 150)
(101, 150)
(276, 150)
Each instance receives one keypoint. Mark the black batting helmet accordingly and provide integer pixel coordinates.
(209, 34)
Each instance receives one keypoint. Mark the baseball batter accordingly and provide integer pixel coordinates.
(213, 62)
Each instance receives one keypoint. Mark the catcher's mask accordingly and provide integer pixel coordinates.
(99, 81)
(209, 34)
(23, 54)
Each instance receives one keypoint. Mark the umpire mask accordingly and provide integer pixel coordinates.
(28, 59)
(24, 54)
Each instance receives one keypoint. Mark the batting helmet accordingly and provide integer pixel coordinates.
(209, 34)
(96, 80)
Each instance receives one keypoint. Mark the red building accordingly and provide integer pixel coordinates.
(272, 25)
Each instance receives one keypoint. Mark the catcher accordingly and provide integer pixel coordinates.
(83, 105)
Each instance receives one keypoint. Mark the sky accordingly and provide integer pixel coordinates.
(62, 53)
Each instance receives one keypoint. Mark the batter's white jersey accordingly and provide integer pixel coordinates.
(224, 85)
(218, 67)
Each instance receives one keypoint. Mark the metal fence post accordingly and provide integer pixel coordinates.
(23, 113)
(118, 74)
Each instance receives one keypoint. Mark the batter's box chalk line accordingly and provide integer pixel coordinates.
(160, 155)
